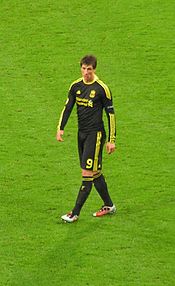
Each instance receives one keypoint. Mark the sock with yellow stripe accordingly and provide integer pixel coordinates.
(83, 194)
(102, 189)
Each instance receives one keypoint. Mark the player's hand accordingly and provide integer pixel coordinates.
(59, 135)
(110, 147)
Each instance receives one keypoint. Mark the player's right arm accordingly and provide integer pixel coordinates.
(65, 115)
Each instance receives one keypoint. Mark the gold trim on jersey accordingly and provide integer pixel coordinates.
(97, 175)
(87, 179)
(106, 88)
(61, 117)
(76, 81)
(112, 127)
(97, 150)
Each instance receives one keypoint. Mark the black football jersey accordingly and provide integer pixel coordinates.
(90, 98)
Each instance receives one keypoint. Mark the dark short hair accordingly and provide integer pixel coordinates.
(89, 60)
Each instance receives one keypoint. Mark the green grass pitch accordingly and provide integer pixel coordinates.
(41, 45)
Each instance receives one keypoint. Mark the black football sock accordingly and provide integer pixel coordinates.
(102, 189)
(83, 194)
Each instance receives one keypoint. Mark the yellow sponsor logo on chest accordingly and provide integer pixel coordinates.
(84, 101)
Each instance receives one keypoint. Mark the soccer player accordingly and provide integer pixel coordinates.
(91, 96)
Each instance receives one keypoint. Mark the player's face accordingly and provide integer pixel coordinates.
(88, 72)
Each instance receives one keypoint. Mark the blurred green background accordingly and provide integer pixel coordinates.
(42, 43)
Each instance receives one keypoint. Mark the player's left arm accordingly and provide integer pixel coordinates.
(109, 108)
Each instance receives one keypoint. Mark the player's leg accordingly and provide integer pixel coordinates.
(101, 185)
(73, 215)
(87, 165)
(82, 196)
(86, 150)
(85, 189)
(102, 189)
(91, 163)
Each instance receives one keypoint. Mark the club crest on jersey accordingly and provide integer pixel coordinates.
(92, 93)
(78, 92)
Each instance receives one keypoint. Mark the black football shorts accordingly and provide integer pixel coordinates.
(90, 147)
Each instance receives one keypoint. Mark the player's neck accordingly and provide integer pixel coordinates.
(91, 80)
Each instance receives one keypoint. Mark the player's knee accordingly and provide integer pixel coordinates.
(88, 173)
